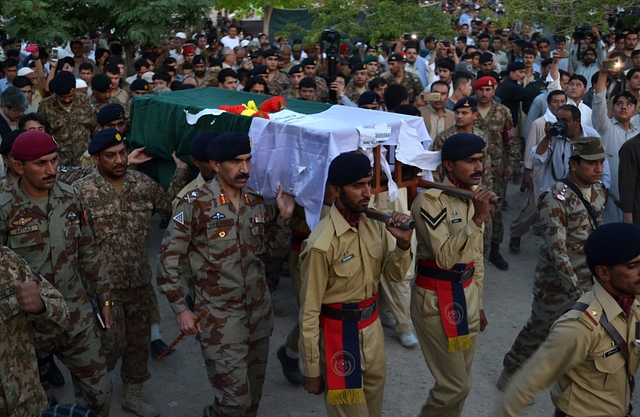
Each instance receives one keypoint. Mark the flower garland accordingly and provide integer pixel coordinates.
(272, 105)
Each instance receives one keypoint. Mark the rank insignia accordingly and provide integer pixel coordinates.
(218, 216)
(246, 199)
(587, 318)
(179, 218)
(223, 199)
(258, 219)
(71, 215)
(433, 222)
(560, 196)
(222, 234)
(22, 221)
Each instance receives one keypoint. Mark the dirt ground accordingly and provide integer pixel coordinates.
(179, 386)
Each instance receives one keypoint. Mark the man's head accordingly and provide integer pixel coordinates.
(497, 44)
(6, 145)
(411, 53)
(613, 257)
(228, 56)
(485, 90)
(577, 87)
(483, 42)
(256, 85)
(113, 72)
(633, 79)
(109, 152)
(371, 62)
(586, 163)
(528, 58)
(307, 89)
(349, 178)
(36, 160)
(561, 42)
(296, 73)
(112, 116)
(570, 115)
(76, 49)
(630, 41)
(379, 85)
(369, 100)
(359, 74)
(462, 156)
(589, 56)
(10, 69)
(141, 66)
(462, 83)
(486, 62)
(396, 64)
(441, 88)
(394, 96)
(199, 65)
(199, 156)
(188, 52)
(555, 100)
(101, 87)
(228, 79)
(444, 69)
(270, 57)
(466, 111)
(516, 71)
(161, 79)
(24, 84)
(230, 157)
(233, 31)
(309, 65)
(624, 106)
(13, 103)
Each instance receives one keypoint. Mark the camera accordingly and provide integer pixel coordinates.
(330, 36)
(446, 44)
(581, 32)
(559, 128)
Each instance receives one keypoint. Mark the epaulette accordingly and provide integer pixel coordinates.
(5, 198)
(587, 314)
(560, 195)
(193, 195)
(67, 188)
(252, 191)
(433, 193)
(323, 242)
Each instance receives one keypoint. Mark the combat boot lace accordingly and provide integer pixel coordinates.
(132, 401)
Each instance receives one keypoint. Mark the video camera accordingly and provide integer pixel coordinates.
(332, 37)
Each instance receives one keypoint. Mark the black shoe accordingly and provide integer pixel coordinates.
(55, 376)
(514, 244)
(496, 259)
(290, 367)
(158, 346)
(190, 303)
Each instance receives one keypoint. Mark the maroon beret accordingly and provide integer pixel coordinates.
(33, 144)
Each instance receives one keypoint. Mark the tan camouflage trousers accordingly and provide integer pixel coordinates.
(236, 373)
(129, 338)
(83, 355)
(550, 301)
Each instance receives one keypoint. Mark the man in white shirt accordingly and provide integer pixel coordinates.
(575, 90)
(231, 40)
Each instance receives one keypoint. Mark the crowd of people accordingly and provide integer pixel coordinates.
(556, 114)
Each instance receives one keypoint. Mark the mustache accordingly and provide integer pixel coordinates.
(242, 177)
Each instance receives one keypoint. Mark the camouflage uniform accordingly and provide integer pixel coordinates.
(322, 91)
(6, 185)
(224, 246)
(59, 245)
(353, 93)
(289, 93)
(97, 106)
(71, 129)
(562, 266)
(503, 153)
(21, 394)
(410, 81)
(121, 223)
(278, 83)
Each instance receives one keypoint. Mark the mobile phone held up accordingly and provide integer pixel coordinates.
(31, 48)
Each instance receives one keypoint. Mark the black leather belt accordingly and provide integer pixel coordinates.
(453, 276)
(353, 316)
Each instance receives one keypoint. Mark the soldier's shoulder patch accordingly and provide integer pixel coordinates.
(193, 195)
(433, 221)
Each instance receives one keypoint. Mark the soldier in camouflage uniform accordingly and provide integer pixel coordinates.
(43, 221)
(397, 75)
(223, 230)
(100, 96)
(6, 182)
(70, 118)
(358, 83)
(28, 304)
(296, 73)
(310, 67)
(562, 273)
(277, 81)
(498, 126)
(120, 203)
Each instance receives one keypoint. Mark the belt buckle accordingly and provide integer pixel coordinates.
(466, 274)
(367, 312)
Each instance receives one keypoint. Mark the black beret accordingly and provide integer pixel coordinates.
(228, 145)
(8, 139)
(462, 146)
(105, 139)
(270, 52)
(260, 69)
(368, 97)
(486, 57)
(139, 85)
(348, 168)
(101, 83)
(612, 244)
(395, 58)
(359, 66)
(515, 66)
(63, 83)
(407, 109)
(546, 62)
(309, 61)
(199, 59)
(296, 69)
(109, 113)
(198, 146)
(468, 102)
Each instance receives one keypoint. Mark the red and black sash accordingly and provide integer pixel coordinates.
(342, 354)
(452, 303)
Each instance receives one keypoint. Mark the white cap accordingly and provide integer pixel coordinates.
(244, 42)
(148, 76)
(80, 83)
(181, 35)
(24, 71)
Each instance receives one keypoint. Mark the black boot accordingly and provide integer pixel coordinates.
(496, 259)
(290, 367)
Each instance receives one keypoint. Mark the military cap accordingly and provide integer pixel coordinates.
(188, 49)
(353, 60)
(515, 66)
(368, 97)
(360, 66)
(199, 59)
(101, 83)
(270, 52)
(486, 57)
(296, 69)
(395, 58)
(589, 148)
(260, 69)
(370, 58)
(198, 146)
(228, 146)
(105, 139)
(348, 168)
(612, 244)
(461, 146)
(407, 109)
(463, 66)
(485, 81)
(109, 113)
(309, 61)
(139, 85)
(8, 139)
(33, 144)
(63, 83)
(466, 102)
(344, 48)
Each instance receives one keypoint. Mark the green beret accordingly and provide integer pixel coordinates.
(348, 168)
(228, 146)
(105, 139)
(370, 58)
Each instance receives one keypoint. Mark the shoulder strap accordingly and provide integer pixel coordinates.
(624, 348)
(586, 204)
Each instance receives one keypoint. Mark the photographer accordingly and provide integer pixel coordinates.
(554, 150)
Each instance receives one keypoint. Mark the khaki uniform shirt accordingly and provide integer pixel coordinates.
(341, 264)
(581, 363)
(20, 391)
(59, 246)
(225, 247)
(121, 222)
(290, 93)
(121, 95)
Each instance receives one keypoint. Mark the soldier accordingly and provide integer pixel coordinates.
(296, 73)
(11, 176)
(310, 66)
(590, 357)
(70, 118)
(358, 83)
(371, 62)
(446, 302)
(119, 204)
(569, 211)
(29, 304)
(340, 333)
(43, 221)
(276, 81)
(397, 75)
(100, 93)
(224, 230)
(495, 120)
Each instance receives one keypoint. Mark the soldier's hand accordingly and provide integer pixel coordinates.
(178, 161)
(403, 237)
(137, 156)
(187, 323)
(480, 199)
(313, 385)
(286, 203)
(526, 178)
(483, 321)
(28, 296)
(508, 173)
(108, 317)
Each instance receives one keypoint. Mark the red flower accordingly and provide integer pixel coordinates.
(274, 104)
(233, 109)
